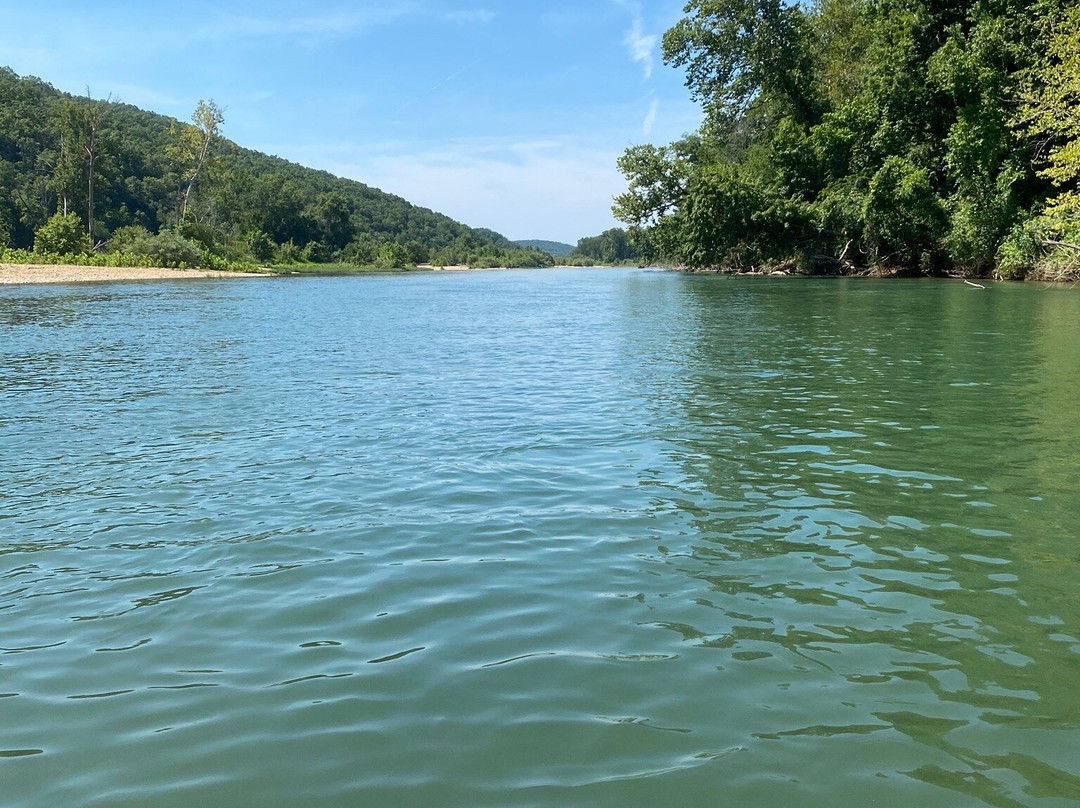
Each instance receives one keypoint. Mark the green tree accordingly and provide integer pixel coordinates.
(62, 235)
(610, 247)
(904, 219)
(1051, 109)
(736, 51)
(392, 256)
(330, 216)
(261, 246)
(192, 149)
(860, 130)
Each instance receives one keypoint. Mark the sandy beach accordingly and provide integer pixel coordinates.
(39, 273)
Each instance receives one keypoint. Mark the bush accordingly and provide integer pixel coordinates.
(288, 254)
(361, 251)
(392, 256)
(62, 235)
(166, 249)
(203, 235)
(125, 238)
(905, 220)
(417, 252)
(317, 253)
(261, 246)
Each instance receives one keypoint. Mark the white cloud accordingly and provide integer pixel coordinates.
(553, 189)
(650, 117)
(477, 16)
(324, 25)
(640, 44)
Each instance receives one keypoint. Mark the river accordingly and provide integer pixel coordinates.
(539, 538)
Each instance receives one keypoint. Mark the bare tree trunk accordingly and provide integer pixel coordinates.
(195, 176)
(93, 121)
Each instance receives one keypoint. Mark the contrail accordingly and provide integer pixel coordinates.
(435, 87)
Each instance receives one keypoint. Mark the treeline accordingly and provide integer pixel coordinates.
(139, 183)
(922, 136)
(610, 248)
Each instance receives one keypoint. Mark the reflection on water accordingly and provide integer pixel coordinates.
(539, 538)
(874, 521)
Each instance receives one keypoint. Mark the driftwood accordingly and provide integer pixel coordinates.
(1066, 244)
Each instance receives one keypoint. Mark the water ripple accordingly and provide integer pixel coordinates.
(556, 538)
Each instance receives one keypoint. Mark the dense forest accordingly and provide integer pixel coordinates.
(610, 248)
(558, 249)
(105, 181)
(912, 136)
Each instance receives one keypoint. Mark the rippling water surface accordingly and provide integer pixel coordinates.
(555, 538)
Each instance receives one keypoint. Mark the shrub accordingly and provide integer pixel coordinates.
(261, 246)
(288, 254)
(125, 238)
(62, 235)
(168, 249)
(905, 220)
(392, 256)
(317, 253)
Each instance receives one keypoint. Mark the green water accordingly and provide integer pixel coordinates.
(556, 538)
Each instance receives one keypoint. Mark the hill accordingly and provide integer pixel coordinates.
(131, 174)
(555, 248)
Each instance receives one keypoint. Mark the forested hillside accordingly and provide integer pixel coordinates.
(556, 248)
(921, 136)
(143, 182)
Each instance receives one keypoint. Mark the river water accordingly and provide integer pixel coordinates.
(539, 538)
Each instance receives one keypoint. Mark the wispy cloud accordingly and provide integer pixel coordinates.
(650, 117)
(323, 25)
(474, 16)
(553, 188)
(642, 46)
(438, 85)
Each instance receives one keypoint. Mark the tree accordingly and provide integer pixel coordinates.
(66, 162)
(260, 246)
(736, 51)
(904, 219)
(193, 149)
(392, 256)
(330, 216)
(840, 131)
(1051, 110)
(62, 235)
(610, 247)
(79, 153)
(91, 143)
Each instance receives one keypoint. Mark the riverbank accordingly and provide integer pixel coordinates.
(792, 269)
(46, 273)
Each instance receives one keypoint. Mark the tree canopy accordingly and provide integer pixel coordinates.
(922, 136)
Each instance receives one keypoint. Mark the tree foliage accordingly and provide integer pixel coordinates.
(1051, 108)
(920, 135)
(62, 235)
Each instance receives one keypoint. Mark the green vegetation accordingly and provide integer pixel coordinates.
(161, 192)
(914, 136)
(62, 235)
(555, 248)
(611, 248)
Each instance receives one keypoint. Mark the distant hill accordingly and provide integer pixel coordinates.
(555, 248)
(140, 177)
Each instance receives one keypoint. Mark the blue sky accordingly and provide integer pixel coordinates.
(506, 114)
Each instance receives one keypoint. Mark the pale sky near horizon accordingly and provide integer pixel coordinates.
(500, 113)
